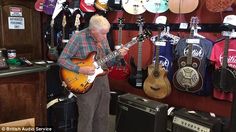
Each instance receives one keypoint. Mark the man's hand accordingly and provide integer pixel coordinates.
(88, 70)
(123, 51)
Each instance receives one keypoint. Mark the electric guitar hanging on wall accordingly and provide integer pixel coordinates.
(52, 49)
(187, 77)
(101, 5)
(224, 78)
(81, 83)
(134, 7)
(138, 74)
(77, 22)
(156, 6)
(157, 85)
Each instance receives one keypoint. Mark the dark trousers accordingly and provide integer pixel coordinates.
(93, 107)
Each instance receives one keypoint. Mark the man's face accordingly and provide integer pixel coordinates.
(100, 35)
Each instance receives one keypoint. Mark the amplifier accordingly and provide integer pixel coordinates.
(191, 121)
(138, 114)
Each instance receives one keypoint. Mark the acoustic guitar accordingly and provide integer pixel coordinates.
(218, 5)
(101, 5)
(133, 7)
(39, 5)
(157, 85)
(224, 78)
(156, 6)
(52, 49)
(81, 83)
(138, 75)
(182, 6)
(187, 77)
(121, 70)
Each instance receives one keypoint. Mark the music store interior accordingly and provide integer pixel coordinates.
(179, 74)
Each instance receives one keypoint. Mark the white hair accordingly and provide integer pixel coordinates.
(98, 22)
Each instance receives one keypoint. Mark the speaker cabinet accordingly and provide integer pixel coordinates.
(62, 116)
(189, 121)
(138, 114)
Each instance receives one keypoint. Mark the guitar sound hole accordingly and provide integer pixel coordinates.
(183, 63)
(195, 65)
(155, 73)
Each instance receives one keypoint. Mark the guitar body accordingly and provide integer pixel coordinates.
(155, 6)
(87, 5)
(182, 6)
(224, 79)
(52, 53)
(39, 5)
(157, 85)
(77, 82)
(49, 6)
(115, 4)
(187, 78)
(134, 7)
(136, 77)
(101, 5)
(218, 5)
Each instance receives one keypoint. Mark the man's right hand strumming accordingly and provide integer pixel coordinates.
(88, 70)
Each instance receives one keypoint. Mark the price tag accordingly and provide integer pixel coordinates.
(183, 26)
(193, 41)
(160, 43)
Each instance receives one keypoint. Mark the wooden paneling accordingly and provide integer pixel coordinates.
(27, 42)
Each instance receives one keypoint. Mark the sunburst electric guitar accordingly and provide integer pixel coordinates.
(157, 85)
(81, 83)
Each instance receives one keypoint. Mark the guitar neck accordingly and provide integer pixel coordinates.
(63, 33)
(190, 49)
(52, 37)
(139, 65)
(120, 36)
(225, 55)
(116, 52)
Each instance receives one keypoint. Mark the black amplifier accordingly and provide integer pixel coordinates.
(191, 121)
(138, 114)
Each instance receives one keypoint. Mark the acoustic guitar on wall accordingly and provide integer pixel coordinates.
(134, 7)
(157, 85)
(102, 5)
(187, 77)
(81, 83)
(39, 5)
(156, 6)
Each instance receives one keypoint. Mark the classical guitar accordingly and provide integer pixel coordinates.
(121, 70)
(49, 6)
(81, 83)
(52, 49)
(138, 74)
(134, 7)
(224, 78)
(156, 6)
(39, 5)
(101, 5)
(182, 6)
(157, 85)
(87, 5)
(115, 4)
(187, 77)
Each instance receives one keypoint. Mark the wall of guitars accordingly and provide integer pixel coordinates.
(161, 67)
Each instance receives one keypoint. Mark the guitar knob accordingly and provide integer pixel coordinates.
(195, 65)
(183, 63)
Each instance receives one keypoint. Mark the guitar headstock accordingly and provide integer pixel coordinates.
(52, 23)
(194, 22)
(77, 21)
(146, 34)
(120, 22)
(140, 21)
(64, 21)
